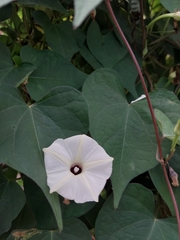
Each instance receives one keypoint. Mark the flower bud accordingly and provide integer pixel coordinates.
(174, 177)
(177, 16)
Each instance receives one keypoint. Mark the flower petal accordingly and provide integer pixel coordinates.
(92, 181)
(75, 145)
(59, 150)
(78, 189)
(86, 149)
(56, 171)
(61, 180)
(53, 164)
(101, 170)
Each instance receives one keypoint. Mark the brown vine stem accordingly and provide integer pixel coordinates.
(139, 72)
(107, 2)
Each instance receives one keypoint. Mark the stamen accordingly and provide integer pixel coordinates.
(76, 169)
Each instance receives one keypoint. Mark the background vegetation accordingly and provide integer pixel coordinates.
(66, 71)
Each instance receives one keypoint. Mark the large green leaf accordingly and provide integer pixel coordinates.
(107, 49)
(159, 182)
(165, 125)
(52, 70)
(60, 37)
(12, 200)
(82, 9)
(55, 4)
(168, 103)
(44, 216)
(125, 131)
(5, 60)
(88, 56)
(10, 74)
(25, 130)
(41, 208)
(19, 74)
(128, 72)
(170, 5)
(24, 220)
(134, 218)
(74, 209)
(91, 216)
(74, 229)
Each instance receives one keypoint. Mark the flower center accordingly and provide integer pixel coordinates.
(76, 169)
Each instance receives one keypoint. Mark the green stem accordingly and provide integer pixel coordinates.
(167, 15)
(165, 26)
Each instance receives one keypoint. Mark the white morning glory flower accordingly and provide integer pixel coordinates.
(77, 168)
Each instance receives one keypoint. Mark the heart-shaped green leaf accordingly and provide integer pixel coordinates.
(75, 209)
(24, 220)
(25, 130)
(165, 125)
(168, 103)
(84, 51)
(55, 5)
(60, 37)
(40, 206)
(128, 72)
(12, 200)
(73, 229)
(170, 5)
(10, 74)
(134, 218)
(52, 70)
(123, 130)
(44, 216)
(159, 182)
(107, 49)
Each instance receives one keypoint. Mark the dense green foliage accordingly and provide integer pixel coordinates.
(64, 70)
